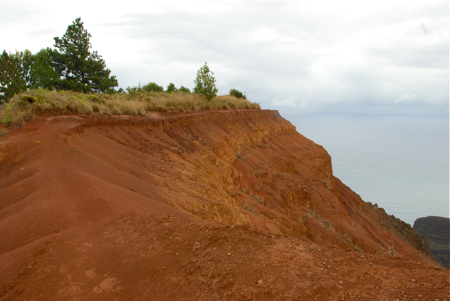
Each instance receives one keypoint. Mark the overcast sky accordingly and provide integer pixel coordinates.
(387, 57)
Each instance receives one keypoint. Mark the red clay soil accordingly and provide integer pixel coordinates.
(215, 205)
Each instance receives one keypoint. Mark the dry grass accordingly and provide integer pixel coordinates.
(23, 107)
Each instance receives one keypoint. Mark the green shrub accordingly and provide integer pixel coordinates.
(152, 87)
(6, 113)
(237, 94)
(171, 88)
(184, 89)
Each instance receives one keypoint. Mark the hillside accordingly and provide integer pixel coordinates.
(205, 205)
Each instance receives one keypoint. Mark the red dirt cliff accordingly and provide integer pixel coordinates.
(215, 205)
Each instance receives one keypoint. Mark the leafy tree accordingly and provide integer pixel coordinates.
(78, 68)
(205, 83)
(237, 94)
(171, 88)
(152, 87)
(184, 89)
(42, 74)
(14, 73)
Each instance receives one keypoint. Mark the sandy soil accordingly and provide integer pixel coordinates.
(223, 205)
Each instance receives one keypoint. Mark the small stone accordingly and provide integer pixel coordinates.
(413, 280)
(229, 254)
(260, 282)
(309, 274)
(340, 282)
(337, 269)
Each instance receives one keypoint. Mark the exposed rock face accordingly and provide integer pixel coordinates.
(437, 231)
(193, 206)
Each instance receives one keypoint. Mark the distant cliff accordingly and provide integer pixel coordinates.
(437, 231)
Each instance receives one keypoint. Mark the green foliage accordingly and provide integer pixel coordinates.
(152, 87)
(71, 66)
(133, 89)
(78, 68)
(184, 89)
(6, 116)
(205, 83)
(41, 74)
(237, 94)
(27, 59)
(171, 88)
(14, 73)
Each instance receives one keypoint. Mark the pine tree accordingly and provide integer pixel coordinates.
(78, 68)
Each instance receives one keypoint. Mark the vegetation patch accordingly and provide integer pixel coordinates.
(24, 106)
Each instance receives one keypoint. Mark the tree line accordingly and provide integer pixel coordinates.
(72, 65)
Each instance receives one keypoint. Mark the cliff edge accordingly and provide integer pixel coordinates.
(206, 205)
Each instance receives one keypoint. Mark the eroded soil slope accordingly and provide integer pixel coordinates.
(231, 205)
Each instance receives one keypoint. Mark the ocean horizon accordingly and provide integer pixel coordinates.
(400, 162)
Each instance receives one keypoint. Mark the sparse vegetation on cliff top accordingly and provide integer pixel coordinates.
(24, 106)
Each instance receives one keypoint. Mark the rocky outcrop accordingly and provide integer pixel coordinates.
(437, 231)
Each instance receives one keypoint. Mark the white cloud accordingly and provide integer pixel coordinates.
(306, 56)
(405, 97)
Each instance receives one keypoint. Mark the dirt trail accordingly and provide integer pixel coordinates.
(217, 205)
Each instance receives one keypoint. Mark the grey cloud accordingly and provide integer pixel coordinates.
(267, 49)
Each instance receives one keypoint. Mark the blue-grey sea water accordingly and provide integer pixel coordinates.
(399, 162)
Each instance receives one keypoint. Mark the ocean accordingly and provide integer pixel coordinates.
(400, 163)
